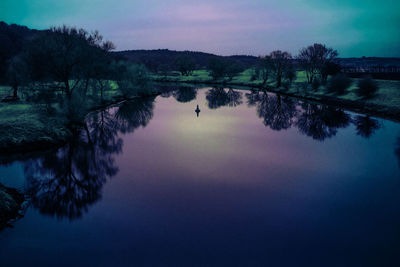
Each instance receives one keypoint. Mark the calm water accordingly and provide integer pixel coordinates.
(254, 179)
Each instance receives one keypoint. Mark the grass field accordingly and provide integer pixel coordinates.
(24, 123)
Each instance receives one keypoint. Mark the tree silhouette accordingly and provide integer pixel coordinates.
(321, 122)
(234, 98)
(166, 90)
(276, 112)
(135, 113)
(365, 125)
(253, 97)
(216, 97)
(185, 94)
(185, 64)
(66, 182)
(66, 55)
(317, 59)
(280, 63)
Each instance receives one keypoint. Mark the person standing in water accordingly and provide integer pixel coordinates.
(197, 110)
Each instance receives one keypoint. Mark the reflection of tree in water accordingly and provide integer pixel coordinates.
(234, 98)
(321, 122)
(133, 114)
(66, 182)
(166, 90)
(277, 112)
(218, 97)
(185, 94)
(253, 98)
(365, 125)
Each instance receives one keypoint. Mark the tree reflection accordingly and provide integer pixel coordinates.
(234, 98)
(365, 125)
(185, 94)
(321, 122)
(66, 182)
(133, 114)
(276, 112)
(253, 98)
(217, 97)
(166, 90)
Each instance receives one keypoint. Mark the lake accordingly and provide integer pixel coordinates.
(246, 179)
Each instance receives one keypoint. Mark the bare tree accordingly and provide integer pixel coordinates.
(17, 74)
(279, 63)
(67, 55)
(315, 59)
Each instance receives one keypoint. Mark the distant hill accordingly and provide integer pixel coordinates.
(13, 39)
(154, 58)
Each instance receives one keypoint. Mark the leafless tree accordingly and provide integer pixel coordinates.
(279, 63)
(314, 59)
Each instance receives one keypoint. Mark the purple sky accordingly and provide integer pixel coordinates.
(354, 27)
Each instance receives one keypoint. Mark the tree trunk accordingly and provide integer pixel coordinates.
(67, 89)
(15, 93)
(278, 81)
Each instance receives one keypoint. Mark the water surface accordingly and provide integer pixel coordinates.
(252, 179)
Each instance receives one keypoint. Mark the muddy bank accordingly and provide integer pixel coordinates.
(11, 202)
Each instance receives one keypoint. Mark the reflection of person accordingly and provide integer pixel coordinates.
(197, 110)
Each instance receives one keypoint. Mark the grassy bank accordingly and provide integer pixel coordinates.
(385, 104)
(10, 205)
(26, 127)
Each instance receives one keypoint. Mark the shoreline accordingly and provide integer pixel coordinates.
(43, 145)
(358, 106)
(11, 206)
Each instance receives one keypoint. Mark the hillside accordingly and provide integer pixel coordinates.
(154, 58)
(13, 39)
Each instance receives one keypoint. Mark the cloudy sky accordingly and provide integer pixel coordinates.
(224, 27)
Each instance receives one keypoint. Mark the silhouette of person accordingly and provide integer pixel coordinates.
(197, 110)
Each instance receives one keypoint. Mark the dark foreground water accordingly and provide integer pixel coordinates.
(254, 180)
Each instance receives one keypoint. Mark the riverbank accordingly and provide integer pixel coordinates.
(11, 202)
(386, 103)
(26, 128)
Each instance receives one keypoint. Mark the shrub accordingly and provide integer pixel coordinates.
(338, 84)
(133, 80)
(367, 87)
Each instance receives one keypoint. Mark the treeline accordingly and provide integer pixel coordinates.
(69, 64)
(65, 71)
(167, 60)
(13, 40)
